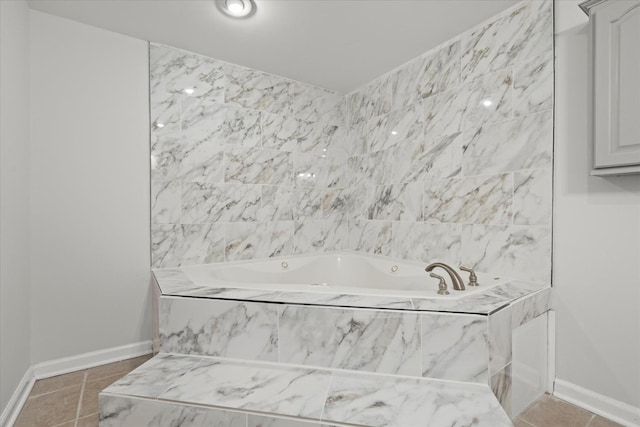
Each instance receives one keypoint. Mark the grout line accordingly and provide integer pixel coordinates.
(326, 396)
(525, 421)
(52, 391)
(84, 383)
(593, 416)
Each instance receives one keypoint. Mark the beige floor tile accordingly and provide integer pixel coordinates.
(89, 404)
(551, 412)
(58, 382)
(518, 422)
(598, 421)
(69, 424)
(88, 421)
(50, 409)
(121, 368)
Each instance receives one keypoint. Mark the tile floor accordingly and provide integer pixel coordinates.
(71, 400)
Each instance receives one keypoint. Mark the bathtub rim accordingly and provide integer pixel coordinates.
(173, 281)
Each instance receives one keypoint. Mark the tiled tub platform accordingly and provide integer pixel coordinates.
(204, 391)
(236, 355)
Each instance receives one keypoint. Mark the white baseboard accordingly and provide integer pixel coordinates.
(607, 407)
(18, 399)
(64, 366)
(89, 360)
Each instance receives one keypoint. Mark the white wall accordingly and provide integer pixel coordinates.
(89, 189)
(596, 270)
(14, 196)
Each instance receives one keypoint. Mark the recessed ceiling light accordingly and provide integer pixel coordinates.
(237, 8)
(189, 91)
(487, 103)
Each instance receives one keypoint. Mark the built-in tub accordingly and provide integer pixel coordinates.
(357, 312)
(344, 273)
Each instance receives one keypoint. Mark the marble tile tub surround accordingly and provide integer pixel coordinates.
(226, 390)
(446, 158)
(244, 164)
(449, 346)
(450, 155)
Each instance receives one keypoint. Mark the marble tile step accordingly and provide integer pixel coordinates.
(186, 390)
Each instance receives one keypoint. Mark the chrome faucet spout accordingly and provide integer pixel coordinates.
(457, 282)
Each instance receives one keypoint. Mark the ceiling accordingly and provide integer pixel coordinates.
(336, 44)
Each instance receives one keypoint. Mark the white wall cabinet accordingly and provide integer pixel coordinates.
(615, 85)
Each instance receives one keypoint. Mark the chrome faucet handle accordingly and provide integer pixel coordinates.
(442, 286)
(473, 279)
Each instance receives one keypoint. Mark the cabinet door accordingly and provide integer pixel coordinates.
(616, 66)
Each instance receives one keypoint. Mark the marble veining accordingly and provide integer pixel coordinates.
(532, 199)
(246, 164)
(501, 385)
(374, 341)
(258, 240)
(427, 242)
(397, 202)
(481, 146)
(116, 411)
(476, 200)
(530, 307)
(166, 154)
(257, 166)
(487, 99)
(521, 251)
(174, 280)
(290, 134)
(152, 378)
(257, 90)
(277, 203)
(214, 123)
(165, 202)
(313, 236)
(370, 236)
(201, 161)
(218, 390)
(401, 126)
(219, 328)
(524, 32)
(210, 203)
(522, 143)
(175, 245)
(280, 390)
(455, 347)
(395, 402)
(500, 339)
(314, 104)
(226, 143)
(172, 71)
(427, 75)
(533, 85)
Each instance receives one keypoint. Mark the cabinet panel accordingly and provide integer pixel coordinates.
(615, 27)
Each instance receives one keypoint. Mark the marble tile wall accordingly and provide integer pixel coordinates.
(244, 164)
(450, 156)
(446, 158)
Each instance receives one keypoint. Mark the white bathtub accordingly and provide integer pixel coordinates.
(346, 273)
